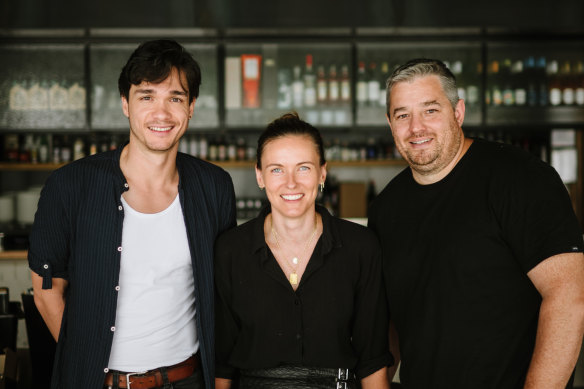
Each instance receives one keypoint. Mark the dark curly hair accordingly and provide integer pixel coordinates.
(153, 61)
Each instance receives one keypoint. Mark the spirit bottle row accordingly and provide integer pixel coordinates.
(535, 82)
(34, 95)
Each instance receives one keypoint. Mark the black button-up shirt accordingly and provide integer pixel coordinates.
(336, 318)
(77, 235)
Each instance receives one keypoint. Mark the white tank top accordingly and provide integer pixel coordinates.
(155, 317)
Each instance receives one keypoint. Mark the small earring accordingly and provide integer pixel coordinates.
(322, 186)
(261, 187)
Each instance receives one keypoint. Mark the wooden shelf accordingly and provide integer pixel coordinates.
(6, 166)
(29, 166)
(14, 254)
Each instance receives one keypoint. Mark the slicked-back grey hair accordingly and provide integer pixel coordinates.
(422, 67)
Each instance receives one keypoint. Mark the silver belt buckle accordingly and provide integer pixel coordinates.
(342, 378)
(131, 374)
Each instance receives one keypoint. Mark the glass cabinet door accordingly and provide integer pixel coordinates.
(376, 61)
(106, 62)
(535, 83)
(42, 87)
(265, 80)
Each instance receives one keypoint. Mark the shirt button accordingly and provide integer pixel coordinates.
(45, 266)
(120, 208)
(120, 248)
(296, 302)
(298, 336)
(106, 370)
(118, 288)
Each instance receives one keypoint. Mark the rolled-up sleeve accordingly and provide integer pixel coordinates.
(50, 235)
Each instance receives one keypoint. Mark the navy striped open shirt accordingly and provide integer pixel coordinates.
(77, 235)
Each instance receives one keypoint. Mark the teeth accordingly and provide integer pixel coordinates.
(160, 129)
(420, 141)
(291, 197)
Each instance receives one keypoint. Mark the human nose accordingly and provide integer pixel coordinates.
(290, 180)
(416, 123)
(161, 109)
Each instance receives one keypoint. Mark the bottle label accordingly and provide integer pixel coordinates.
(520, 97)
(497, 97)
(472, 94)
(568, 96)
(579, 96)
(345, 91)
(333, 90)
(321, 88)
(555, 96)
(373, 91)
(310, 97)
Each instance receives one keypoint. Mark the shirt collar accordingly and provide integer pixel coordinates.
(330, 238)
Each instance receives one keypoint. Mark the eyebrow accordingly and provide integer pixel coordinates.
(145, 91)
(424, 104)
(277, 164)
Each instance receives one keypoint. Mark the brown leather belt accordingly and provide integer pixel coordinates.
(153, 378)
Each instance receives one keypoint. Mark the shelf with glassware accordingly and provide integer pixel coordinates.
(529, 83)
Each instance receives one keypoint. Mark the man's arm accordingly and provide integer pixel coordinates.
(394, 349)
(222, 383)
(560, 281)
(50, 302)
(377, 380)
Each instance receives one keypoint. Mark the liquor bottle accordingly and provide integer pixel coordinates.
(555, 88)
(579, 82)
(333, 85)
(506, 77)
(361, 88)
(472, 89)
(18, 96)
(43, 149)
(78, 149)
(77, 97)
(457, 71)
(519, 83)
(373, 86)
(203, 148)
(65, 149)
(240, 152)
(58, 97)
(567, 84)
(321, 86)
(542, 82)
(309, 83)
(38, 97)
(496, 95)
(531, 78)
(193, 146)
(92, 144)
(297, 89)
(284, 89)
(383, 76)
(345, 85)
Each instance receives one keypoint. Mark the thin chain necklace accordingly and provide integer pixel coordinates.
(295, 260)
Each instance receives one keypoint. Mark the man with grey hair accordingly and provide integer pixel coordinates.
(482, 251)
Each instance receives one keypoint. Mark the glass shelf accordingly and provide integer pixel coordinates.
(376, 61)
(35, 92)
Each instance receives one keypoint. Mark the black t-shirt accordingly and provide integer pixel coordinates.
(455, 258)
(337, 317)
